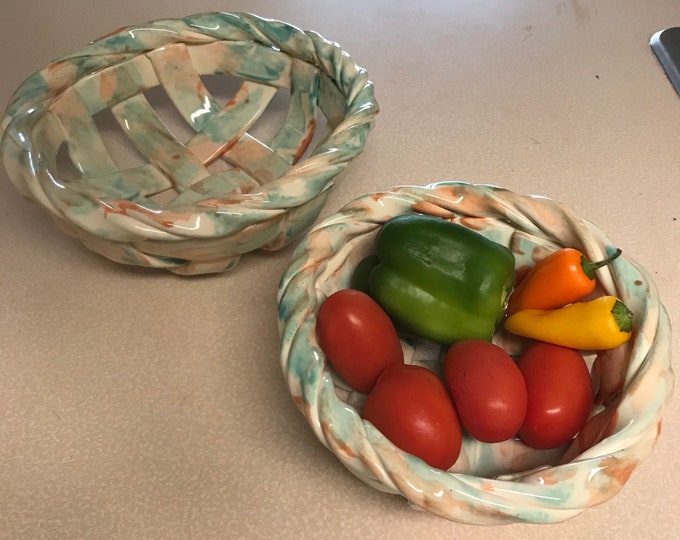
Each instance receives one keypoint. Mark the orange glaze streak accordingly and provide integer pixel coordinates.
(474, 223)
(123, 207)
(299, 402)
(229, 145)
(212, 203)
(618, 469)
(549, 480)
(337, 445)
(311, 265)
(245, 92)
(432, 209)
(448, 192)
(55, 67)
(487, 487)
(107, 85)
(304, 143)
(217, 202)
(200, 88)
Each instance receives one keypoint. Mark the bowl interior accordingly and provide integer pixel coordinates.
(186, 124)
(632, 382)
(185, 143)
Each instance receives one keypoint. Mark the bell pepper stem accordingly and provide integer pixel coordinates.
(590, 267)
(622, 316)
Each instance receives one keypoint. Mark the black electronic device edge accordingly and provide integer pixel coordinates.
(666, 45)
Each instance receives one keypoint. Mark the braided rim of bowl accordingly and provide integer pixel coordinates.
(591, 475)
(191, 238)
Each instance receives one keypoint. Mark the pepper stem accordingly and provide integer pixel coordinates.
(590, 267)
(622, 316)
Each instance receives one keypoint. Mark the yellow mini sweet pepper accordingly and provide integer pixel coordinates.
(603, 323)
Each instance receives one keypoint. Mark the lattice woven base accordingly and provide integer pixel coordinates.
(195, 205)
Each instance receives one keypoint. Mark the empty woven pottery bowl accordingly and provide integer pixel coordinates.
(131, 147)
(490, 483)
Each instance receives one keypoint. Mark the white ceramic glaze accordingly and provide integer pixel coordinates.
(490, 483)
(179, 210)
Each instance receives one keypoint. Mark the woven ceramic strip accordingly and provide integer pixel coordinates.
(504, 482)
(193, 205)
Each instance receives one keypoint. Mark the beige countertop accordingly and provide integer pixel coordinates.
(139, 404)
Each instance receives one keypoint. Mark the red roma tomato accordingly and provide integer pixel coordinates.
(411, 407)
(357, 337)
(487, 388)
(560, 394)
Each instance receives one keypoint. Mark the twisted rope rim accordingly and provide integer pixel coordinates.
(140, 232)
(593, 468)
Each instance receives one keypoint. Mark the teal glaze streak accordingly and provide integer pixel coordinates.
(220, 25)
(301, 364)
(264, 50)
(277, 31)
(256, 62)
(33, 90)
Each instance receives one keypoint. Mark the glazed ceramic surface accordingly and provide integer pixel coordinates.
(195, 203)
(490, 483)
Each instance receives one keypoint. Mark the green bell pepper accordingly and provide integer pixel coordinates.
(440, 280)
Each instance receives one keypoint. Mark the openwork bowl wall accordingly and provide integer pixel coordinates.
(190, 204)
(490, 483)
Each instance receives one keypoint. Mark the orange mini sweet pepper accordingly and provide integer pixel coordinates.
(563, 277)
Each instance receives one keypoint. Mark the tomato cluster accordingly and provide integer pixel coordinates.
(483, 390)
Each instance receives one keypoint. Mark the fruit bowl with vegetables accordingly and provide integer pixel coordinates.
(489, 356)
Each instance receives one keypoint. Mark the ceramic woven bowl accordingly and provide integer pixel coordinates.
(490, 483)
(193, 195)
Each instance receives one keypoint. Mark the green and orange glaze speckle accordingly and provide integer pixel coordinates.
(425, 207)
(532, 488)
(299, 403)
(115, 71)
(487, 487)
(618, 469)
(337, 444)
(475, 223)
